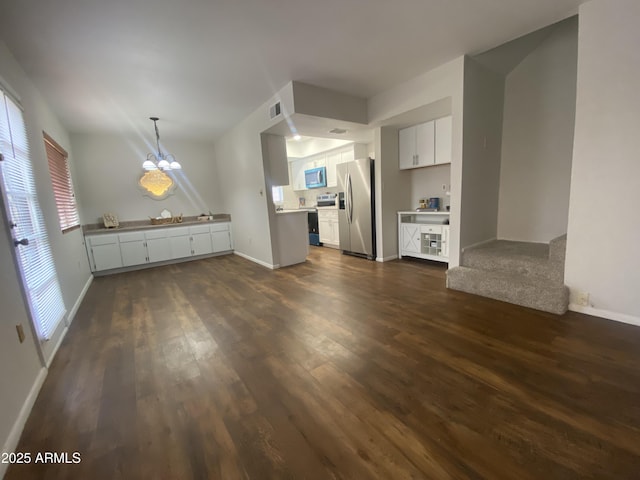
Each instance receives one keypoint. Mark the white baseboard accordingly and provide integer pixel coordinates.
(74, 310)
(55, 349)
(386, 259)
(70, 317)
(14, 435)
(597, 312)
(255, 260)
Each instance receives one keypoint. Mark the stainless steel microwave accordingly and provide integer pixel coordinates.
(315, 177)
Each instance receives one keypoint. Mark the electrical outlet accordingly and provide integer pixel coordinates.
(20, 331)
(580, 298)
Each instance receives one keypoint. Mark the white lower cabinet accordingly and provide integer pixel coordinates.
(112, 251)
(410, 238)
(104, 252)
(418, 238)
(179, 242)
(133, 248)
(158, 246)
(221, 237)
(201, 243)
(328, 227)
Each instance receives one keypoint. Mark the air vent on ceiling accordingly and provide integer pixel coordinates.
(338, 131)
(274, 110)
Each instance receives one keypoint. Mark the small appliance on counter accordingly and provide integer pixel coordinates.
(326, 200)
(429, 205)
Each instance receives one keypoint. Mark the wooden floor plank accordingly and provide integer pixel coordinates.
(335, 368)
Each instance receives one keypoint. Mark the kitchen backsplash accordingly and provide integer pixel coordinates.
(291, 197)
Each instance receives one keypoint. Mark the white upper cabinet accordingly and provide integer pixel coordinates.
(333, 159)
(340, 155)
(443, 140)
(425, 144)
(297, 174)
(407, 148)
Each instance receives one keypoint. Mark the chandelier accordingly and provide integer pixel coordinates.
(162, 161)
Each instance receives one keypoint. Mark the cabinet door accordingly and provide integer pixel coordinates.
(158, 249)
(201, 243)
(324, 229)
(104, 252)
(106, 257)
(347, 155)
(445, 241)
(407, 148)
(133, 253)
(221, 241)
(443, 140)
(297, 172)
(425, 144)
(335, 232)
(410, 238)
(333, 159)
(180, 246)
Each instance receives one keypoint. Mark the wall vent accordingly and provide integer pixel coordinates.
(338, 131)
(274, 110)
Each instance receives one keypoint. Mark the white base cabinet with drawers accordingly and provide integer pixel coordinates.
(328, 228)
(112, 251)
(423, 235)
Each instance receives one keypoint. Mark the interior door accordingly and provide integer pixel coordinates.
(33, 255)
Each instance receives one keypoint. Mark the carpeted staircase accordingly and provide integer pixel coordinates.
(527, 274)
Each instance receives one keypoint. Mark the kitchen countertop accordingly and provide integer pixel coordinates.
(296, 210)
(133, 225)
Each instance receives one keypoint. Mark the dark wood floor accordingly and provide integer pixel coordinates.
(338, 368)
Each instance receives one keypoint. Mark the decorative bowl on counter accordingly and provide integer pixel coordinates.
(165, 220)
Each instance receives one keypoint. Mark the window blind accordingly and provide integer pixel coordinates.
(62, 185)
(35, 260)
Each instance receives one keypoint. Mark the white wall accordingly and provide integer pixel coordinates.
(432, 86)
(109, 166)
(20, 365)
(604, 231)
(537, 140)
(239, 160)
(483, 95)
(427, 182)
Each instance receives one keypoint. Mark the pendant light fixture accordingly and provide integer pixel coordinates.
(160, 160)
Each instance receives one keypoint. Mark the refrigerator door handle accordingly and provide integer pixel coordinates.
(350, 187)
(346, 195)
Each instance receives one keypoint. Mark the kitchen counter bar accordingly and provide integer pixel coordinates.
(134, 225)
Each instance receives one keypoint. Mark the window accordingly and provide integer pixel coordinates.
(62, 186)
(33, 251)
(278, 194)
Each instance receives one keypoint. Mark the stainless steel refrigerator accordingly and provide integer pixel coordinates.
(356, 213)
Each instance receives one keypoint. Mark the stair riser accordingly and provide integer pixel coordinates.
(551, 271)
(545, 297)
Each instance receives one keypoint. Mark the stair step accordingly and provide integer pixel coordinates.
(541, 294)
(521, 258)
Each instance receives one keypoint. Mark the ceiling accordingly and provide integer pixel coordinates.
(204, 65)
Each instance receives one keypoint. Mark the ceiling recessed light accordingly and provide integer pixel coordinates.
(297, 137)
(338, 131)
